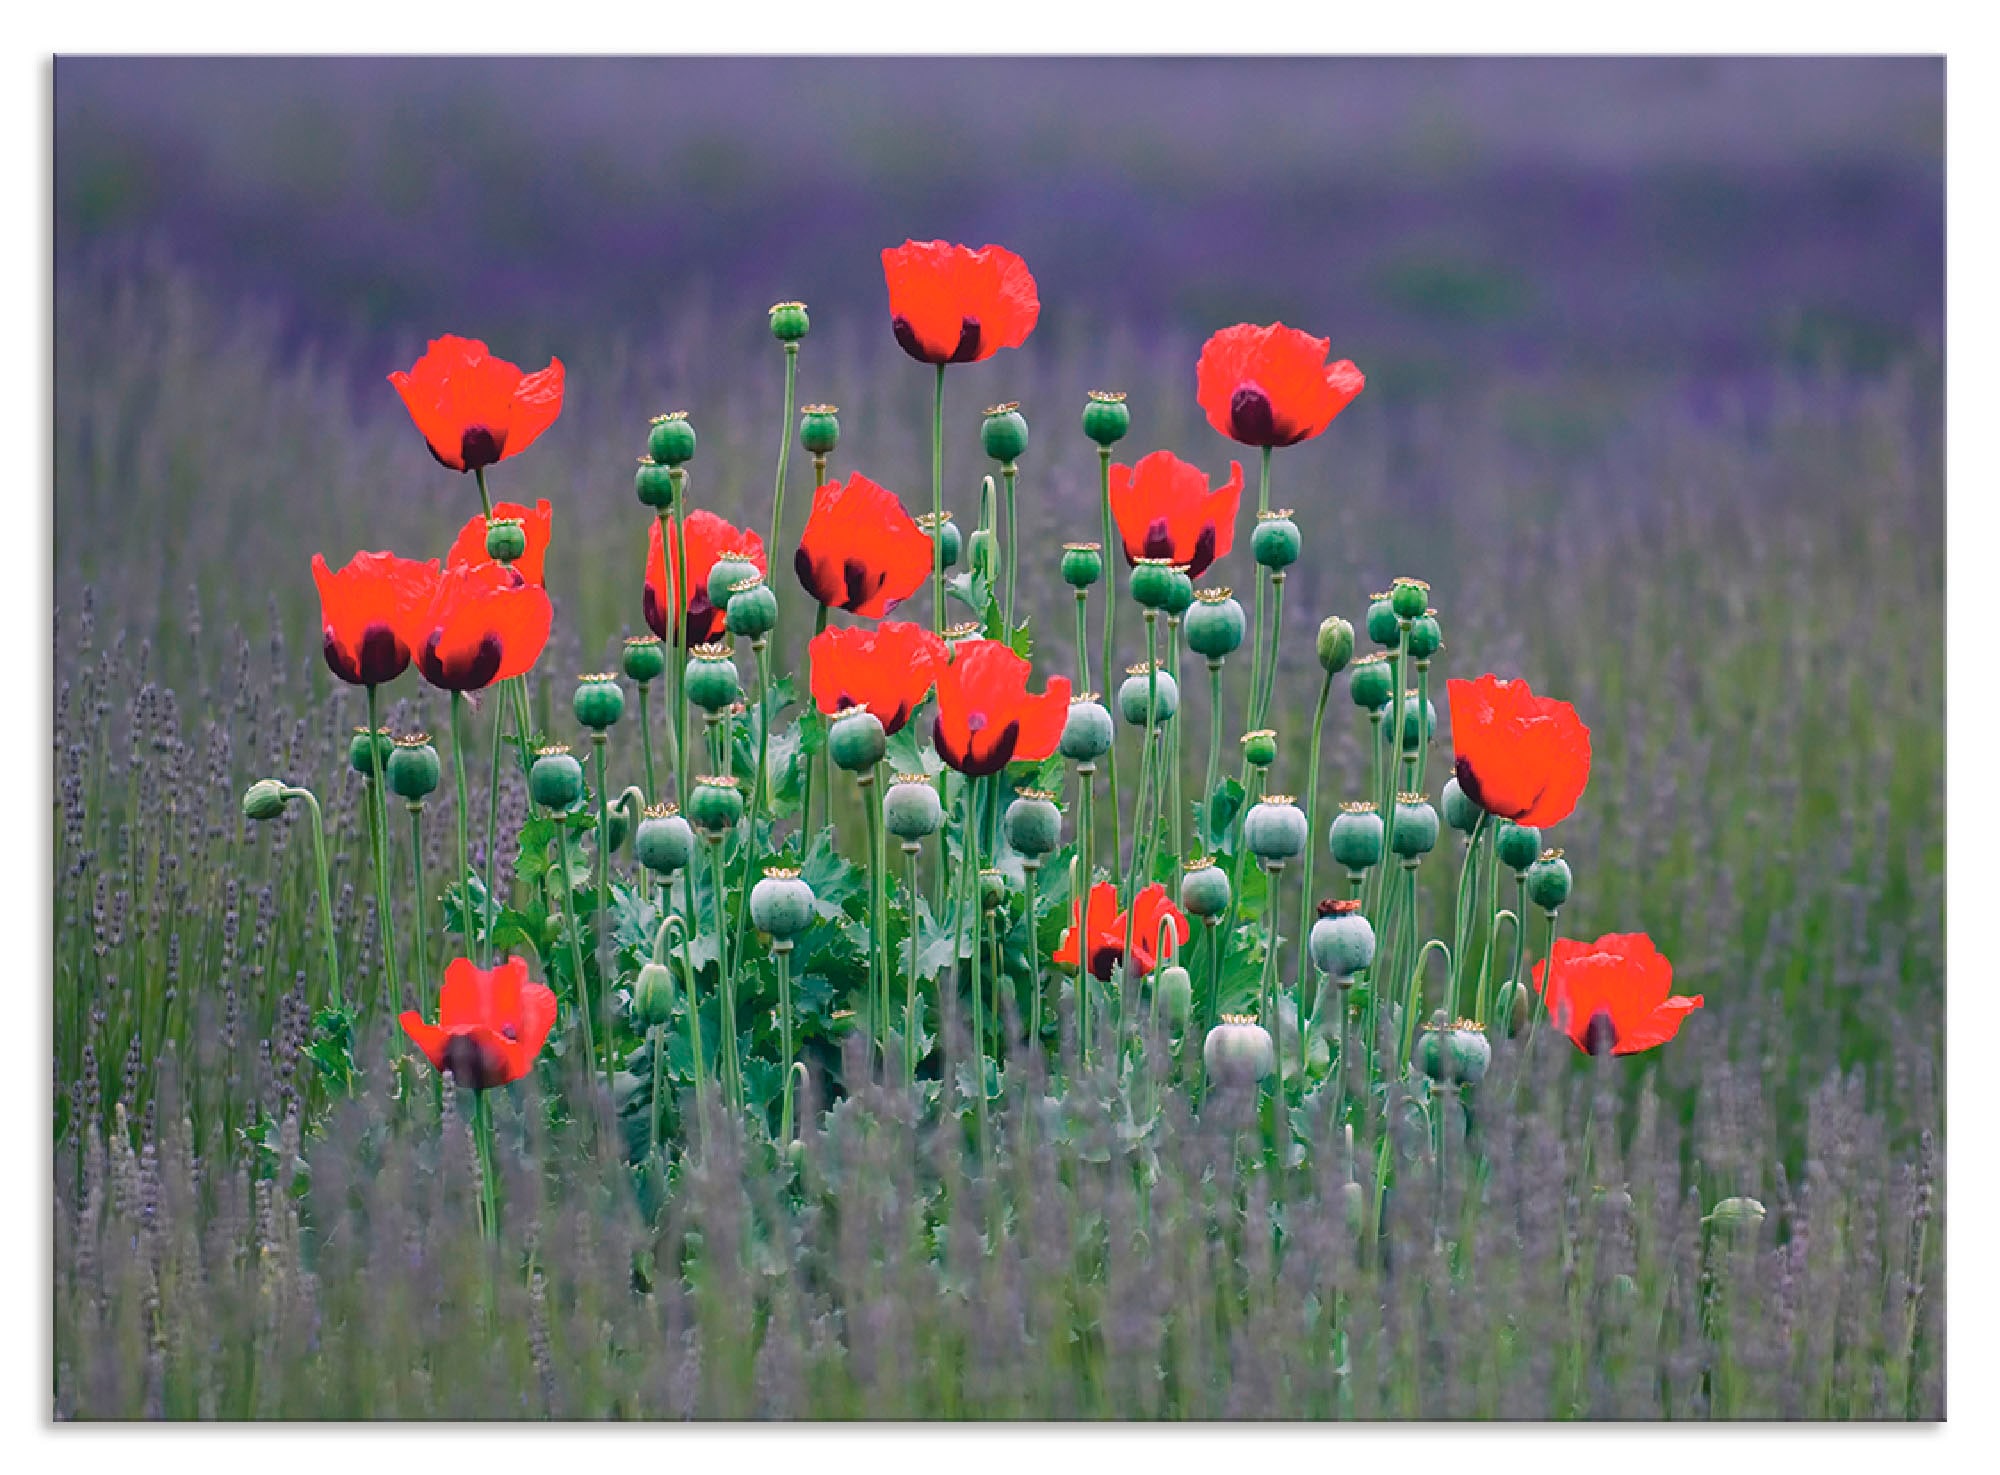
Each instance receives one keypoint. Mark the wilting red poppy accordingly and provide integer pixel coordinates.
(708, 538)
(485, 624)
(1614, 994)
(1165, 508)
(1103, 930)
(474, 409)
(1520, 756)
(986, 717)
(953, 305)
(371, 614)
(1272, 386)
(491, 1024)
(861, 551)
(887, 669)
(535, 521)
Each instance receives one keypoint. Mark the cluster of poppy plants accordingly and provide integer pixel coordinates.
(479, 619)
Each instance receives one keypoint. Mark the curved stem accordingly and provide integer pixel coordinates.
(335, 991)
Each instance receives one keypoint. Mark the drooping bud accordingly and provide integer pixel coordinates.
(414, 770)
(712, 681)
(1371, 682)
(1105, 417)
(1033, 823)
(790, 322)
(1082, 564)
(1215, 626)
(653, 994)
(1275, 829)
(1334, 644)
(1549, 881)
(555, 781)
(1087, 731)
(819, 428)
(1238, 1051)
(1510, 1008)
(1415, 832)
(1356, 836)
(264, 800)
(911, 808)
(1148, 689)
(781, 903)
(665, 842)
(1004, 433)
(671, 441)
(1274, 543)
(1409, 598)
(599, 700)
(856, 741)
(1204, 889)
(1176, 991)
(716, 803)
(1342, 941)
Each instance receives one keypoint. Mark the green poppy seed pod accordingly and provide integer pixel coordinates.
(752, 608)
(716, 804)
(506, 539)
(645, 658)
(1416, 828)
(654, 485)
(653, 994)
(992, 888)
(1260, 748)
(1087, 731)
(1356, 836)
(264, 800)
(1237, 1051)
(1215, 626)
(1549, 881)
(1736, 1213)
(1511, 1008)
(729, 570)
(556, 779)
(1004, 433)
(671, 441)
(665, 842)
(1148, 689)
(1459, 810)
(363, 755)
(819, 428)
(856, 741)
(1471, 1053)
(1204, 889)
(1426, 637)
(1180, 592)
(1105, 417)
(781, 904)
(1342, 941)
(1420, 722)
(911, 808)
(1176, 990)
(1275, 541)
(712, 681)
(1371, 683)
(1275, 829)
(414, 770)
(1383, 626)
(1152, 581)
(945, 533)
(1334, 645)
(789, 322)
(1409, 598)
(1082, 564)
(1519, 846)
(1034, 824)
(599, 700)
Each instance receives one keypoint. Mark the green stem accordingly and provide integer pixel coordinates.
(1214, 751)
(782, 951)
(1177, 810)
(489, 1194)
(878, 977)
(937, 505)
(1277, 630)
(751, 842)
(1083, 640)
(784, 448)
(574, 929)
(1110, 625)
(490, 909)
(1461, 914)
(1250, 723)
(682, 924)
(423, 905)
(1030, 871)
(601, 932)
(1086, 776)
(646, 742)
(1312, 847)
(677, 576)
(911, 850)
(656, 1046)
(968, 901)
(378, 830)
(462, 880)
(732, 1065)
(1007, 473)
(334, 989)
(1267, 991)
(485, 501)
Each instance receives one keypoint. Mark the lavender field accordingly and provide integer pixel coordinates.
(1654, 404)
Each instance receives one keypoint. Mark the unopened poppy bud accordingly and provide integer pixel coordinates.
(1004, 433)
(1549, 881)
(1383, 626)
(1274, 543)
(1152, 581)
(414, 769)
(1034, 824)
(1371, 683)
(911, 808)
(365, 750)
(556, 779)
(1426, 637)
(1510, 1008)
(1459, 810)
(654, 484)
(599, 700)
(781, 904)
(1342, 941)
(1355, 837)
(1148, 689)
(985, 552)
(1204, 889)
(1105, 417)
(1519, 846)
(645, 658)
(1334, 645)
(856, 741)
(264, 800)
(752, 609)
(653, 994)
(1260, 748)
(1736, 1213)
(729, 570)
(506, 539)
(1176, 989)
(1420, 721)
(1409, 598)
(941, 529)
(712, 680)
(665, 842)
(671, 441)
(1275, 829)
(1082, 564)
(1087, 731)
(1237, 1051)
(1180, 592)
(789, 322)
(716, 804)
(819, 428)
(992, 888)
(1354, 1204)
(1215, 626)
(1416, 829)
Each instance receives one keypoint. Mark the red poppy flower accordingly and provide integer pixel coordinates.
(1165, 508)
(371, 614)
(953, 305)
(708, 538)
(888, 669)
(1614, 994)
(986, 717)
(535, 521)
(1104, 926)
(474, 409)
(1272, 386)
(491, 1024)
(861, 551)
(485, 624)
(1520, 756)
